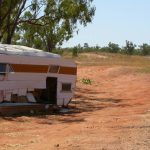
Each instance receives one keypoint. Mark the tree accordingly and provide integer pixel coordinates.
(58, 23)
(10, 12)
(113, 48)
(97, 47)
(145, 49)
(42, 23)
(86, 45)
(75, 52)
(129, 48)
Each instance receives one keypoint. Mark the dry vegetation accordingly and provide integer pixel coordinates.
(111, 113)
(108, 59)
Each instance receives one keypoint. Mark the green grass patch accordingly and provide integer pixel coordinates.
(86, 81)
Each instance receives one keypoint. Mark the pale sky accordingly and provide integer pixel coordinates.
(116, 21)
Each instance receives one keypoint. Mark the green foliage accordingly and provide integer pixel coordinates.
(86, 81)
(86, 45)
(58, 23)
(75, 52)
(10, 12)
(129, 48)
(145, 49)
(42, 23)
(58, 51)
(113, 48)
(104, 49)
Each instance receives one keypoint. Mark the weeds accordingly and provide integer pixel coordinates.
(86, 81)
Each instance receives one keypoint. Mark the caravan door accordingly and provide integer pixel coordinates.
(51, 90)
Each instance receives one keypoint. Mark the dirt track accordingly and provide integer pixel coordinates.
(113, 113)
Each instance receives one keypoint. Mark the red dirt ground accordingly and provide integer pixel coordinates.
(113, 113)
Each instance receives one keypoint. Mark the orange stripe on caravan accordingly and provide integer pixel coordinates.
(42, 69)
(29, 68)
(68, 70)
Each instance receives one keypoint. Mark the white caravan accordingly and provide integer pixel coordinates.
(31, 75)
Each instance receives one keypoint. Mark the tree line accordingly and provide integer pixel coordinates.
(42, 24)
(130, 49)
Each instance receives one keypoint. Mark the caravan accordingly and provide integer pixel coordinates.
(31, 75)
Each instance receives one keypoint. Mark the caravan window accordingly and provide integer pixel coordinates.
(2, 68)
(66, 87)
(53, 69)
(5, 68)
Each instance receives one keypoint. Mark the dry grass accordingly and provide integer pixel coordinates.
(140, 63)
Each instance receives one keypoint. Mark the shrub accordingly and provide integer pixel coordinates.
(129, 48)
(145, 49)
(86, 81)
(58, 51)
(75, 52)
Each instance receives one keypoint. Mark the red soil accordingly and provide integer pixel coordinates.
(113, 113)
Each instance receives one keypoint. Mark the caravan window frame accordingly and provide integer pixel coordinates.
(69, 90)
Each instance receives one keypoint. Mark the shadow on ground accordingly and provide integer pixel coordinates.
(82, 103)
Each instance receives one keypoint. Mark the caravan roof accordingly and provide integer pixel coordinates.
(7, 49)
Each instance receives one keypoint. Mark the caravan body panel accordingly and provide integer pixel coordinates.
(28, 73)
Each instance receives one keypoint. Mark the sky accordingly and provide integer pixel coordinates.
(115, 21)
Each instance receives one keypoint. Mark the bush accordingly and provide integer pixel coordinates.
(113, 48)
(129, 48)
(75, 52)
(86, 81)
(145, 49)
(58, 51)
